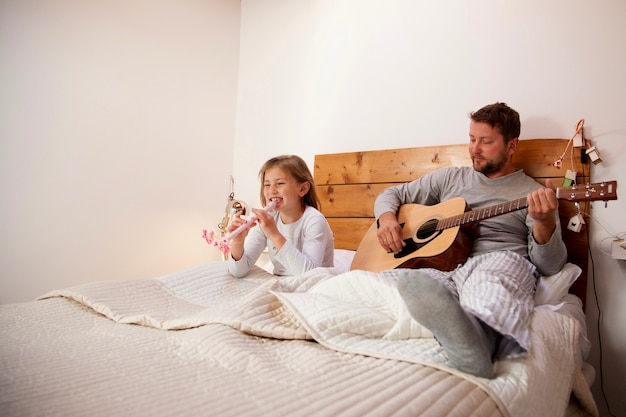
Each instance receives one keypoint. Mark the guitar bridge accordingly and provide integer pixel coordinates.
(412, 246)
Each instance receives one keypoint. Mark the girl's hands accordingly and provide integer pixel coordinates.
(268, 224)
(236, 243)
(235, 224)
(265, 220)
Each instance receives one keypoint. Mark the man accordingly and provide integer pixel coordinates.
(481, 310)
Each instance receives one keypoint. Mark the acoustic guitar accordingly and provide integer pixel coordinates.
(440, 236)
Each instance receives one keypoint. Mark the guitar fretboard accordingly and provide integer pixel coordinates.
(605, 190)
(482, 213)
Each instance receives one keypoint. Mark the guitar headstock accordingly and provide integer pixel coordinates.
(600, 191)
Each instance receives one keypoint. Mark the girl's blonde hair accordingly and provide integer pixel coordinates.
(298, 169)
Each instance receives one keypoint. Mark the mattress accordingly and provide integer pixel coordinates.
(199, 342)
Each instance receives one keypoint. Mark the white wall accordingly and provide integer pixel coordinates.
(117, 120)
(326, 76)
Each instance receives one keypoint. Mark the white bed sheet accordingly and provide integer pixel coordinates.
(60, 358)
(356, 313)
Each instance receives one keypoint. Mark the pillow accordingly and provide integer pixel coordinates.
(343, 259)
(573, 307)
(552, 289)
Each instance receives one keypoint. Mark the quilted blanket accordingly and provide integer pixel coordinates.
(355, 312)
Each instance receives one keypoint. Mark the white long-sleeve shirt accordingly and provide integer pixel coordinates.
(310, 244)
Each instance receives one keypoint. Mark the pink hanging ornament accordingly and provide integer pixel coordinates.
(222, 243)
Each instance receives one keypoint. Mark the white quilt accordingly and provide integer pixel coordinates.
(355, 312)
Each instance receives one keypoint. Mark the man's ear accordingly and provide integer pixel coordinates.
(513, 145)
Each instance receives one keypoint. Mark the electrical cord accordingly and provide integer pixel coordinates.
(599, 322)
(619, 236)
(595, 294)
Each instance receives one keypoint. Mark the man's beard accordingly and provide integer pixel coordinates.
(491, 166)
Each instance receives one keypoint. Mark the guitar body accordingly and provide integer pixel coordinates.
(425, 247)
(436, 236)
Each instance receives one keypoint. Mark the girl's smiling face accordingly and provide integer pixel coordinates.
(283, 188)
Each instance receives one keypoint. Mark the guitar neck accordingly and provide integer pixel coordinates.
(606, 190)
(482, 213)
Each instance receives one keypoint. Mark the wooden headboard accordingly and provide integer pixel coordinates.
(348, 183)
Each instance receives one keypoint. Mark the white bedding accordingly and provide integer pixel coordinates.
(63, 359)
(355, 313)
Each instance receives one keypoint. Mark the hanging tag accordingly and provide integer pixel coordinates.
(593, 153)
(575, 224)
(578, 141)
(570, 178)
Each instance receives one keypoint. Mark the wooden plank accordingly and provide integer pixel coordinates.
(396, 165)
(576, 242)
(535, 156)
(557, 181)
(348, 232)
(344, 200)
(568, 209)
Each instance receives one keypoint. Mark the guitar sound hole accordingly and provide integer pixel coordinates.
(426, 230)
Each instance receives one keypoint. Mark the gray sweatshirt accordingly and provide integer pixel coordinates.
(511, 231)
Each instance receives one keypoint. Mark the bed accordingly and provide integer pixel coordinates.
(330, 342)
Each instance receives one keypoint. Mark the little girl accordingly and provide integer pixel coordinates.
(296, 234)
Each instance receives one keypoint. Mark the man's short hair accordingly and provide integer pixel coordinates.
(501, 117)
